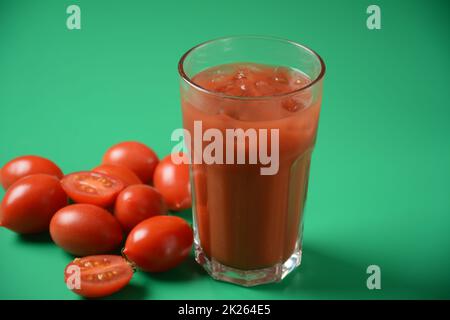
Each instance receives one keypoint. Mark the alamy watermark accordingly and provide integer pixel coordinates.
(373, 21)
(374, 280)
(73, 21)
(73, 280)
(250, 146)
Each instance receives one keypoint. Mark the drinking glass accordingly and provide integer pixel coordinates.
(248, 226)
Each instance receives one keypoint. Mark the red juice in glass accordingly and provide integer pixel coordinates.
(248, 225)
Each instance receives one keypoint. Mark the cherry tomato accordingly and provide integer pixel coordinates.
(137, 203)
(92, 187)
(135, 156)
(122, 173)
(172, 181)
(97, 276)
(85, 229)
(159, 243)
(30, 203)
(27, 165)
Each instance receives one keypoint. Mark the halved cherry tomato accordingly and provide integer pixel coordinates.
(172, 181)
(135, 156)
(27, 165)
(159, 243)
(30, 203)
(122, 173)
(137, 203)
(92, 187)
(97, 276)
(85, 229)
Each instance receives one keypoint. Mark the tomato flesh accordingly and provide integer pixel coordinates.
(122, 173)
(98, 276)
(92, 187)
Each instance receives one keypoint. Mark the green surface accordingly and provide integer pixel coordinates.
(380, 180)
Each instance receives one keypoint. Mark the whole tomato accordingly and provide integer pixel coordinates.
(159, 243)
(172, 181)
(137, 203)
(135, 156)
(85, 229)
(27, 165)
(30, 203)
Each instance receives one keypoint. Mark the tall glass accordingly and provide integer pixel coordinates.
(248, 226)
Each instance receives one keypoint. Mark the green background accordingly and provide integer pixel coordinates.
(380, 181)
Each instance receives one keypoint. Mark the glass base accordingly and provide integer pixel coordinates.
(247, 278)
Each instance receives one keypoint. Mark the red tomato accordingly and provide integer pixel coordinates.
(172, 181)
(159, 243)
(30, 203)
(137, 203)
(92, 187)
(97, 276)
(27, 165)
(122, 173)
(135, 156)
(85, 229)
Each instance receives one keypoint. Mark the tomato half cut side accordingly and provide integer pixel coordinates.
(122, 173)
(97, 276)
(92, 187)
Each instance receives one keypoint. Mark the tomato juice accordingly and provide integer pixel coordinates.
(246, 220)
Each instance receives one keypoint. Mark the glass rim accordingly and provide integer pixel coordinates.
(189, 81)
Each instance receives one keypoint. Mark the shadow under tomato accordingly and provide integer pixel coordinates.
(116, 252)
(39, 238)
(132, 291)
(187, 271)
(185, 214)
